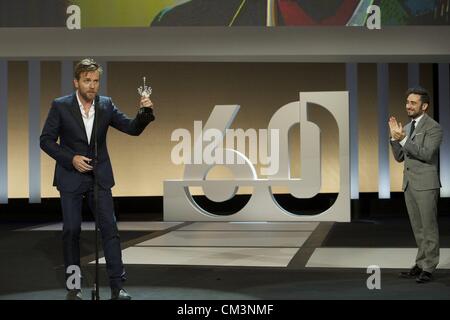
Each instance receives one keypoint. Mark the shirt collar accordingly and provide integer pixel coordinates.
(418, 119)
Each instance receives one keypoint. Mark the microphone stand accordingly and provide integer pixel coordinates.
(95, 294)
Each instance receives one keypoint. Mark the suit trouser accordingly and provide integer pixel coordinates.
(72, 203)
(422, 211)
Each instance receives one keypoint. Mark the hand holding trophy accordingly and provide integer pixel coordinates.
(145, 92)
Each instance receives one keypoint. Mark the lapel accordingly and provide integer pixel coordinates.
(76, 112)
(420, 125)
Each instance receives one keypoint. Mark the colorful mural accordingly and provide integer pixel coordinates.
(144, 13)
(302, 12)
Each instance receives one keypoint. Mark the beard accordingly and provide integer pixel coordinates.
(87, 96)
(414, 114)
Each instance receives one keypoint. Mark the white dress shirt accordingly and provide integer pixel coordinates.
(402, 143)
(88, 118)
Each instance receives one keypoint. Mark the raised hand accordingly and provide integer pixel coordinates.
(146, 102)
(396, 129)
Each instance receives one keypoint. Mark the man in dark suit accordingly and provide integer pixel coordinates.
(71, 119)
(417, 145)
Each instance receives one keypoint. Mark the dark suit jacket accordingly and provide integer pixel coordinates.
(64, 121)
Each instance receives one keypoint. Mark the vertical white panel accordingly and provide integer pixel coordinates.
(444, 120)
(3, 131)
(352, 88)
(66, 77)
(103, 78)
(413, 75)
(34, 123)
(384, 183)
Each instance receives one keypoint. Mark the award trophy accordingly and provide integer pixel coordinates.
(145, 91)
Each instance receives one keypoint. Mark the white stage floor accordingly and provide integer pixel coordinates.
(122, 225)
(281, 239)
(208, 256)
(271, 244)
(364, 257)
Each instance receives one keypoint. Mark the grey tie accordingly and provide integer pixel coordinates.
(413, 126)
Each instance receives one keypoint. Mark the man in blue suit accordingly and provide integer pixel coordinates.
(71, 119)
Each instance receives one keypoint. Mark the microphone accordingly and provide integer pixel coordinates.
(95, 293)
(96, 108)
(96, 101)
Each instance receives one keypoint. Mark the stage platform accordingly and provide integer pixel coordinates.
(222, 260)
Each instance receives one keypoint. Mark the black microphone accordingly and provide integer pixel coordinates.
(93, 145)
(95, 293)
(96, 108)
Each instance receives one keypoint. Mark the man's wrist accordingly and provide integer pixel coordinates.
(403, 141)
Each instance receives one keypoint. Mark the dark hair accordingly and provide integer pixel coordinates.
(86, 65)
(423, 93)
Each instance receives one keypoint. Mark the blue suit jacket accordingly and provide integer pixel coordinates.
(64, 121)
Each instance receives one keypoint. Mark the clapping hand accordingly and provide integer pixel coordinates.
(396, 128)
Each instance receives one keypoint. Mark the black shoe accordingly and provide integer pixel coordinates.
(119, 294)
(411, 274)
(424, 277)
(74, 295)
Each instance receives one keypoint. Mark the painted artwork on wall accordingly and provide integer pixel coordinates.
(265, 13)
